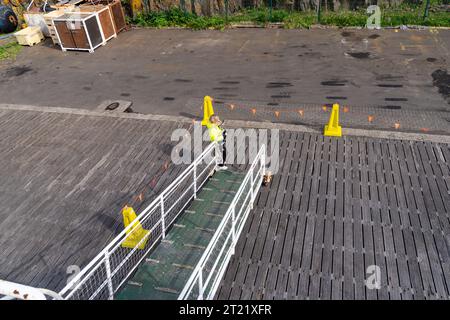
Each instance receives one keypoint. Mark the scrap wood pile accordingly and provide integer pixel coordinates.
(76, 24)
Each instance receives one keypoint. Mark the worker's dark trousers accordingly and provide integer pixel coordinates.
(224, 149)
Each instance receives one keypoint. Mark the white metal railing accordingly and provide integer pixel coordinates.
(205, 278)
(108, 271)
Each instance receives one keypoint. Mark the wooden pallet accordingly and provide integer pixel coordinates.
(49, 22)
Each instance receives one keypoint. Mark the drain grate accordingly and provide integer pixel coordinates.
(112, 106)
(116, 106)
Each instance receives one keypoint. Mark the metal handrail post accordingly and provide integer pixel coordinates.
(233, 227)
(195, 179)
(108, 276)
(200, 285)
(163, 225)
(252, 191)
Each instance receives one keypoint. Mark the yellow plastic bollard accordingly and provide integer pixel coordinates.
(135, 233)
(333, 129)
(208, 110)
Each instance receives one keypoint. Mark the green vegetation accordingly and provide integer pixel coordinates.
(401, 15)
(9, 50)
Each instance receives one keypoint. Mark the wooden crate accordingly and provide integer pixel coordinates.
(117, 13)
(79, 31)
(105, 17)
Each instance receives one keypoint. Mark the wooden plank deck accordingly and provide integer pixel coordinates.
(337, 206)
(64, 179)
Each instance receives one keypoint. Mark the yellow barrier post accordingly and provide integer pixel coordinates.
(136, 232)
(333, 129)
(208, 110)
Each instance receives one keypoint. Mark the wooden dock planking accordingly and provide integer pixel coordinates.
(335, 207)
(58, 213)
(347, 204)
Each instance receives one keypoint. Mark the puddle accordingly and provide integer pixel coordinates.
(87, 88)
(168, 98)
(374, 36)
(431, 59)
(273, 104)
(125, 94)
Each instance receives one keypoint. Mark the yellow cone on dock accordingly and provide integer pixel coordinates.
(135, 234)
(208, 110)
(333, 129)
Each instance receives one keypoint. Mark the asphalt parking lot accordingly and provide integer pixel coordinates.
(386, 73)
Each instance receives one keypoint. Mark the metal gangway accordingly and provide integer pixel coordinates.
(110, 271)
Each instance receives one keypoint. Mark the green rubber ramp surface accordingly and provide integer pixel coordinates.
(166, 270)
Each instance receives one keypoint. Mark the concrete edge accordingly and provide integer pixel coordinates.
(393, 135)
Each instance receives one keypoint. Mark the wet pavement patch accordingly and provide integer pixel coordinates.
(390, 85)
(336, 98)
(229, 82)
(359, 55)
(392, 107)
(225, 88)
(140, 77)
(431, 59)
(125, 94)
(87, 88)
(388, 77)
(441, 80)
(183, 80)
(281, 96)
(334, 83)
(346, 33)
(278, 85)
(395, 99)
(17, 71)
(169, 98)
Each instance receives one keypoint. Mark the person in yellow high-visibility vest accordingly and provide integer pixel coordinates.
(218, 134)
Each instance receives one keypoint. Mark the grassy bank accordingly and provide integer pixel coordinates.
(391, 17)
(9, 50)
